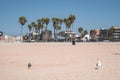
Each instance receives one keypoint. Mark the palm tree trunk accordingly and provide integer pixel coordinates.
(72, 26)
(21, 33)
(30, 36)
(54, 34)
(46, 33)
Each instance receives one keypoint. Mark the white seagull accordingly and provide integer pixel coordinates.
(98, 64)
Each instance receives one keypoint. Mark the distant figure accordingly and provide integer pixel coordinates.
(98, 64)
(29, 65)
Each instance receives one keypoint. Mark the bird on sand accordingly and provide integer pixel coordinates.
(98, 64)
(29, 65)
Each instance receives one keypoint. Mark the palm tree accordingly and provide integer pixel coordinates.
(43, 22)
(84, 33)
(47, 20)
(67, 23)
(60, 21)
(30, 28)
(57, 25)
(92, 33)
(54, 20)
(40, 25)
(72, 19)
(33, 24)
(80, 30)
(22, 21)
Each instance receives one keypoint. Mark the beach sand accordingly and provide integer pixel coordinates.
(59, 61)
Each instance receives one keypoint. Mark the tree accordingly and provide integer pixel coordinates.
(69, 21)
(22, 21)
(30, 28)
(84, 33)
(92, 33)
(34, 25)
(40, 25)
(80, 30)
(57, 22)
(47, 20)
(43, 22)
(54, 20)
(72, 19)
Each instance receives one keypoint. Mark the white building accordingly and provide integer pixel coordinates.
(86, 38)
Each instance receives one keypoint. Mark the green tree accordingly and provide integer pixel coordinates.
(80, 30)
(92, 33)
(22, 21)
(47, 20)
(84, 33)
(57, 22)
(30, 28)
(72, 19)
(34, 25)
(67, 23)
(40, 25)
(43, 22)
(54, 20)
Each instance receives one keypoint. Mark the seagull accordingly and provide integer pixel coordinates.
(29, 65)
(98, 64)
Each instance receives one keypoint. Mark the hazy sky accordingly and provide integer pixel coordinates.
(89, 14)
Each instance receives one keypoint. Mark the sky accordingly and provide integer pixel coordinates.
(90, 14)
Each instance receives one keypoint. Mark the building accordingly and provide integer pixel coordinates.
(104, 35)
(86, 38)
(94, 35)
(69, 35)
(46, 35)
(115, 35)
(107, 34)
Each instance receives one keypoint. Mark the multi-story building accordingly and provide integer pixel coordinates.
(115, 35)
(104, 35)
(94, 34)
(107, 34)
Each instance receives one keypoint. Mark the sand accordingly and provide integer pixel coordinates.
(59, 61)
